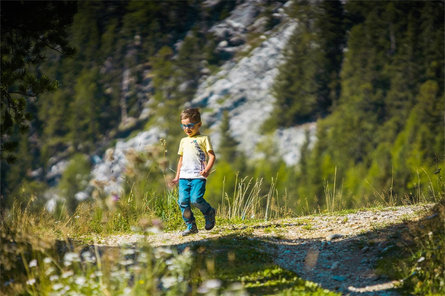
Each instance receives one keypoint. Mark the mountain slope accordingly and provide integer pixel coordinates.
(242, 87)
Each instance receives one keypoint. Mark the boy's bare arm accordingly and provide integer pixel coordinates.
(210, 163)
(178, 169)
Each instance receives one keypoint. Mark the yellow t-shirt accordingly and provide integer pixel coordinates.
(194, 151)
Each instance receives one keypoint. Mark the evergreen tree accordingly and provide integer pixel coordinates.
(28, 29)
(85, 34)
(84, 110)
(308, 81)
(54, 111)
(21, 168)
(162, 73)
(331, 36)
(188, 66)
(294, 88)
(74, 179)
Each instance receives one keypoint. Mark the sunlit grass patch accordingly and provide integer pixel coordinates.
(234, 259)
(276, 230)
(308, 226)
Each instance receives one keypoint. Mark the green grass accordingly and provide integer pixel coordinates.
(235, 260)
(418, 257)
(277, 230)
(308, 226)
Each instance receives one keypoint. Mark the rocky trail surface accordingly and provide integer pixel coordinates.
(337, 251)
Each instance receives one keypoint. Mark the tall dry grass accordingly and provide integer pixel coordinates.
(249, 200)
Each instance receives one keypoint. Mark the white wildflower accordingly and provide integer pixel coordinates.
(47, 260)
(209, 285)
(65, 290)
(81, 196)
(50, 270)
(127, 275)
(70, 258)
(179, 263)
(57, 286)
(117, 275)
(143, 258)
(67, 274)
(88, 257)
(126, 262)
(53, 278)
(33, 263)
(162, 252)
(168, 282)
(80, 280)
(236, 287)
(154, 230)
(170, 262)
(31, 281)
(213, 284)
(129, 251)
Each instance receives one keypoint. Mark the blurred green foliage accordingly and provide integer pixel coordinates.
(75, 178)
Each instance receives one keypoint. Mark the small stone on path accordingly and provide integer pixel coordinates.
(334, 236)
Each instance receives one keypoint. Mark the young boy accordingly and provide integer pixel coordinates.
(196, 158)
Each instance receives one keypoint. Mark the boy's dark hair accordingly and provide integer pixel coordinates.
(192, 114)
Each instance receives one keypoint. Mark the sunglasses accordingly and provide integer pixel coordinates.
(190, 125)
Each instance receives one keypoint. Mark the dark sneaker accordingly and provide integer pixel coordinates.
(210, 219)
(190, 230)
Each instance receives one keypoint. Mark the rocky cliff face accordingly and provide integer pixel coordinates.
(242, 87)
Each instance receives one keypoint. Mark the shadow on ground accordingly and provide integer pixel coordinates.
(346, 264)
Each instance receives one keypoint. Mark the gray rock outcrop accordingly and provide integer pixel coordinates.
(243, 89)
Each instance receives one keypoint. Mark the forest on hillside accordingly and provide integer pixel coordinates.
(370, 73)
(375, 82)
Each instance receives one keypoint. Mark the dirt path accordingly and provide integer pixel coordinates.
(336, 251)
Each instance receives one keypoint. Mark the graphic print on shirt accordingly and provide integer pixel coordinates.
(201, 155)
(194, 156)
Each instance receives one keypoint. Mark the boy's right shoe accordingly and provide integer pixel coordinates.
(210, 219)
(192, 229)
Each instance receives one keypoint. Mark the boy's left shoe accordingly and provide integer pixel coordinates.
(191, 229)
(210, 219)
